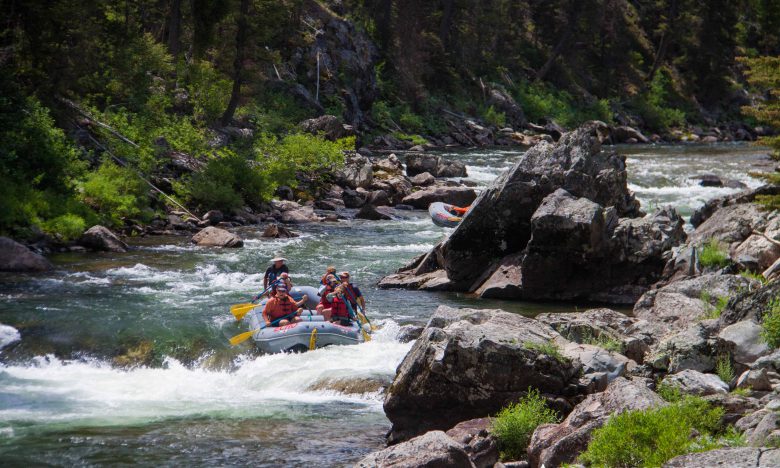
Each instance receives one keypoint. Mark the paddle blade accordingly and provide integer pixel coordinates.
(241, 337)
(239, 310)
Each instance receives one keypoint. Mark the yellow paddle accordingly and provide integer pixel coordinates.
(240, 310)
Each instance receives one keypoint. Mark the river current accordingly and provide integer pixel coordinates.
(68, 397)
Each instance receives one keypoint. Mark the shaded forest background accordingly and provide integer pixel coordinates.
(204, 98)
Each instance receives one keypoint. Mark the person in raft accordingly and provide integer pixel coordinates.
(352, 292)
(338, 311)
(275, 271)
(325, 302)
(331, 270)
(282, 305)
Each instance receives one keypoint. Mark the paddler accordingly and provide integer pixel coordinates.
(282, 305)
(352, 292)
(275, 271)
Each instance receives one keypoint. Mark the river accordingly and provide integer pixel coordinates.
(67, 399)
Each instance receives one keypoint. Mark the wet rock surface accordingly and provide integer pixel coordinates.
(101, 238)
(16, 257)
(216, 237)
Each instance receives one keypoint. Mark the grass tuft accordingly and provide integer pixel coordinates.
(724, 369)
(549, 349)
(770, 323)
(514, 425)
(712, 255)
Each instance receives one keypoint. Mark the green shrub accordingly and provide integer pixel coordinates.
(493, 117)
(514, 424)
(209, 90)
(653, 436)
(602, 340)
(115, 193)
(298, 152)
(712, 255)
(68, 226)
(753, 276)
(227, 182)
(414, 139)
(655, 104)
(724, 369)
(548, 348)
(410, 121)
(713, 311)
(770, 323)
(669, 392)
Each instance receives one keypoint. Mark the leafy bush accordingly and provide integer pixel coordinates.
(410, 121)
(494, 117)
(653, 436)
(770, 323)
(414, 139)
(669, 392)
(298, 152)
(209, 90)
(68, 226)
(227, 182)
(654, 106)
(542, 102)
(514, 424)
(549, 348)
(115, 193)
(712, 255)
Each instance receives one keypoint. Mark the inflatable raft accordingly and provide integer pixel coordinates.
(310, 333)
(442, 216)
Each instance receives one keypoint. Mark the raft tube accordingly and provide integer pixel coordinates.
(310, 333)
(441, 216)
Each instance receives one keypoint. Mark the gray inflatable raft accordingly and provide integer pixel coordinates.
(441, 216)
(310, 333)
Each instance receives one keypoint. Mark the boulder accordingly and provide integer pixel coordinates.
(758, 427)
(712, 180)
(353, 198)
(730, 224)
(735, 405)
(274, 231)
(597, 360)
(624, 133)
(755, 379)
(101, 238)
(555, 444)
(284, 192)
(470, 363)
(378, 198)
(373, 213)
(476, 439)
(748, 344)
(697, 383)
(680, 304)
(399, 188)
(753, 457)
(329, 126)
(750, 304)
(635, 336)
(417, 163)
(357, 172)
(329, 204)
(423, 180)
(176, 222)
(216, 237)
(692, 348)
(304, 214)
(390, 166)
(213, 217)
(16, 257)
(459, 196)
(432, 449)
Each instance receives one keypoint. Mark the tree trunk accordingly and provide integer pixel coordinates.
(238, 63)
(174, 29)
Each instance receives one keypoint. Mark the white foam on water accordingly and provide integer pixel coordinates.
(394, 248)
(8, 335)
(92, 392)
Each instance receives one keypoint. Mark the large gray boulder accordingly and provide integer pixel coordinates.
(357, 172)
(560, 224)
(692, 348)
(417, 163)
(302, 215)
(101, 238)
(434, 449)
(753, 457)
(730, 224)
(16, 257)
(458, 196)
(479, 443)
(750, 304)
(697, 383)
(470, 363)
(748, 344)
(216, 237)
(555, 444)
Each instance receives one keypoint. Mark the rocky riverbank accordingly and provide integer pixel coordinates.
(561, 223)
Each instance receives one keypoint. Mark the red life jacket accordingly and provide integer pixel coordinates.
(338, 308)
(324, 297)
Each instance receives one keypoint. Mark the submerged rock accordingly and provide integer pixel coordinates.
(469, 363)
(374, 213)
(16, 257)
(102, 239)
(216, 237)
(275, 231)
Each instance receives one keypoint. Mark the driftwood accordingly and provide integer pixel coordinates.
(773, 241)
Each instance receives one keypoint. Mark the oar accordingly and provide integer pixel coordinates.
(362, 315)
(239, 310)
(241, 337)
(366, 336)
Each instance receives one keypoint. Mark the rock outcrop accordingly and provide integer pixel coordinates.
(561, 224)
(101, 238)
(555, 444)
(753, 457)
(469, 363)
(697, 383)
(16, 257)
(216, 237)
(432, 449)
(417, 163)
